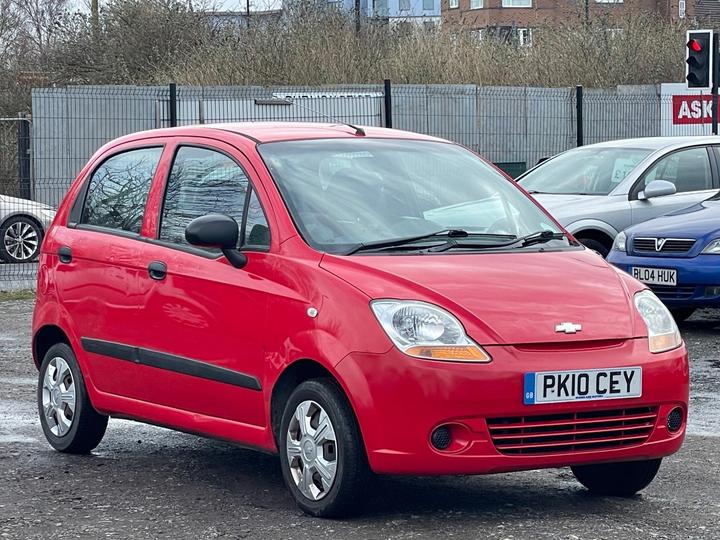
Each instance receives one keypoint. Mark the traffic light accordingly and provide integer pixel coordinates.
(699, 58)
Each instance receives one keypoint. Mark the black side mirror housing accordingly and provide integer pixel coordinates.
(217, 231)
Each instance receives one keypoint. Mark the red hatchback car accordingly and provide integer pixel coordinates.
(355, 300)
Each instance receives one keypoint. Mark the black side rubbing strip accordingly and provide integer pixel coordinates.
(170, 362)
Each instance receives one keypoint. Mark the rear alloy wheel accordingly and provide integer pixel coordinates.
(682, 314)
(67, 417)
(617, 479)
(20, 239)
(321, 451)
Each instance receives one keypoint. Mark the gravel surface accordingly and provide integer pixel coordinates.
(148, 482)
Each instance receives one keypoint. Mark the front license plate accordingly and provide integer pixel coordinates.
(655, 276)
(582, 385)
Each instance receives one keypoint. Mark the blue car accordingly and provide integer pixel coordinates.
(677, 255)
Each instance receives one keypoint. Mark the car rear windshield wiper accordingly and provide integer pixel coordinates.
(398, 242)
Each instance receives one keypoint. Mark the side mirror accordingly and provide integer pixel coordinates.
(217, 231)
(657, 188)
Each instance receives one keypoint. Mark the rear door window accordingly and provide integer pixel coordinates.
(118, 190)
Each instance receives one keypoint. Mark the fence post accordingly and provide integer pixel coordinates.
(23, 150)
(579, 115)
(173, 105)
(388, 103)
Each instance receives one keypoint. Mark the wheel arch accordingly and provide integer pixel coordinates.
(23, 215)
(595, 230)
(290, 378)
(45, 337)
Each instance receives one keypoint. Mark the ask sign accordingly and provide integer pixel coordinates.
(692, 109)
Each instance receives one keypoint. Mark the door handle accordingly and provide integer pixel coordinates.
(65, 254)
(157, 270)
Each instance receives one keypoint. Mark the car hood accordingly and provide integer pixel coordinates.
(697, 221)
(508, 298)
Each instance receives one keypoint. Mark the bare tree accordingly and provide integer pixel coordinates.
(42, 21)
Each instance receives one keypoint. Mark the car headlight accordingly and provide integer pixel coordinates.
(663, 333)
(426, 331)
(713, 248)
(620, 243)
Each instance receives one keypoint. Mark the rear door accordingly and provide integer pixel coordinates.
(692, 171)
(203, 319)
(98, 267)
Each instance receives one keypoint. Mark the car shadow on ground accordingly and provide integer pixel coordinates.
(186, 470)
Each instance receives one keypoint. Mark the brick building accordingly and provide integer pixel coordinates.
(517, 18)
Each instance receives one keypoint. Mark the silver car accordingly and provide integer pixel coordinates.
(22, 226)
(598, 190)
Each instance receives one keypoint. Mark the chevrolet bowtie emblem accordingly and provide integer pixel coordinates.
(568, 328)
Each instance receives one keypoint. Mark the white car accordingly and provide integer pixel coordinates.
(598, 190)
(22, 226)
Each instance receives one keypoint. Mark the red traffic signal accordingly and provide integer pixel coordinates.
(699, 59)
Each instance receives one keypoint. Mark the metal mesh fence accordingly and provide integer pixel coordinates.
(514, 127)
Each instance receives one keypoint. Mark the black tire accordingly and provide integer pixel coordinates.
(345, 496)
(590, 243)
(88, 426)
(617, 479)
(682, 314)
(5, 255)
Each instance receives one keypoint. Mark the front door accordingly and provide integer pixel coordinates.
(202, 318)
(691, 172)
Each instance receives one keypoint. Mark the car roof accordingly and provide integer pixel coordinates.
(657, 143)
(263, 132)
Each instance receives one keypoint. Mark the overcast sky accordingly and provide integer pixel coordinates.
(219, 5)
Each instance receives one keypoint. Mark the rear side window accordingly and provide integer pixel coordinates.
(118, 190)
(204, 181)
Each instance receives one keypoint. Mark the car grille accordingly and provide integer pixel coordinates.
(664, 292)
(572, 432)
(671, 245)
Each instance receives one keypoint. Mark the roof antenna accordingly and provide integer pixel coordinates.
(289, 101)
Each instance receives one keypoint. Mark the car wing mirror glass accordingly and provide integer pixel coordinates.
(657, 188)
(217, 231)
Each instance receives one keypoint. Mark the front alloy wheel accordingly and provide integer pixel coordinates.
(311, 450)
(322, 454)
(20, 239)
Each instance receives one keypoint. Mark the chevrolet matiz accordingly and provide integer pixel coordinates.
(355, 300)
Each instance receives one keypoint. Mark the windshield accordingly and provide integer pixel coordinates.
(343, 193)
(587, 171)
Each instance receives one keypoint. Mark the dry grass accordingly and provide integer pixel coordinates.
(25, 294)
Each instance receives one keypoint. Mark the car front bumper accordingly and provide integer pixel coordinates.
(696, 278)
(400, 401)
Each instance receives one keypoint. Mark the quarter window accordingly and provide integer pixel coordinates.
(202, 182)
(119, 189)
(688, 169)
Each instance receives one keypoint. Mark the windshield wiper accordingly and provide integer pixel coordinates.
(398, 242)
(539, 237)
